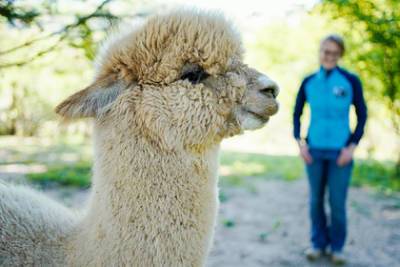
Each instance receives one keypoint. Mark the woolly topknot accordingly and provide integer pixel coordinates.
(155, 52)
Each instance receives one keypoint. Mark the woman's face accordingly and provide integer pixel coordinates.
(329, 54)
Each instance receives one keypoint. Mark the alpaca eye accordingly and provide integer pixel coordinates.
(194, 74)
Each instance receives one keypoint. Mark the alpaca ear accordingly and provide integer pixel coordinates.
(92, 100)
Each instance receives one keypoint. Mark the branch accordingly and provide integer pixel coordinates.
(34, 57)
(65, 29)
(28, 43)
(12, 13)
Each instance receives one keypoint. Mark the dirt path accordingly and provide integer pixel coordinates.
(268, 226)
(271, 228)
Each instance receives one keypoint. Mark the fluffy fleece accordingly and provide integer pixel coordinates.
(165, 94)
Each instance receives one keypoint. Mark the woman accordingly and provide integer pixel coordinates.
(328, 149)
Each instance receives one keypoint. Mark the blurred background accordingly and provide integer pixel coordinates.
(47, 48)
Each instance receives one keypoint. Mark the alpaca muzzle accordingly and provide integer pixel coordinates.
(261, 98)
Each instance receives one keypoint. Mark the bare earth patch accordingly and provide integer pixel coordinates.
(268, 226)
(271, 228)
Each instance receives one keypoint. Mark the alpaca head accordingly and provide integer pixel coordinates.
(178, 80)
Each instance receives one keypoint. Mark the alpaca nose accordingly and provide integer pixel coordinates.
(269, 92)
(268, 87)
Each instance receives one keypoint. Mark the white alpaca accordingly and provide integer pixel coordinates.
(164, 97)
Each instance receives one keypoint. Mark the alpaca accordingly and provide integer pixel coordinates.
(164, 96)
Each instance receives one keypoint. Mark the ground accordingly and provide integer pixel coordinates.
(271, 228)
(267, 224)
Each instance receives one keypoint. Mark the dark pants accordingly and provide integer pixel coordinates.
(324, 173)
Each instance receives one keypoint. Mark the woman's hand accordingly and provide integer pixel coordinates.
(346, 155)
(304, 152)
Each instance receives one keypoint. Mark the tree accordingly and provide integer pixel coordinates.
(32, 35)
(78, 33)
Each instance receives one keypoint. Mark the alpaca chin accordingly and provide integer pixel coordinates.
(249, 121)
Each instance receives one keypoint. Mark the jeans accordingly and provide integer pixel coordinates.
(324, 173)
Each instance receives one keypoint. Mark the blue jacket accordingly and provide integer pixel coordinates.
(330, 95)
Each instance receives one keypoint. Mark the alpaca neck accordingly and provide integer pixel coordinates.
(146, 201)
(132, 177)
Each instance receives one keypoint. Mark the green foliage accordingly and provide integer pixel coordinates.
(222, 196)
(376, 174)
(14, 13)
(39, 60)
(370, 173)
(21, 118)
(67, 161)
(374, 33)
(241, 169)
(228, 223)
(238, 168)
(78, 34)
(263, 236)
(77, 174)
(288, 52)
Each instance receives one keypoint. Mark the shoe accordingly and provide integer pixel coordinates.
(338, 258)
(313, 254)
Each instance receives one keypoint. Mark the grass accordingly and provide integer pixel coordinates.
(380, 175)
(69, 164)
(78, 175)
(239, 168)
(236, 168)
(242, 169)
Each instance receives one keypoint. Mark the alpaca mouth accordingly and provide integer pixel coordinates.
(262, 118)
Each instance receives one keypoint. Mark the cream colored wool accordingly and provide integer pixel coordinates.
(154, 187)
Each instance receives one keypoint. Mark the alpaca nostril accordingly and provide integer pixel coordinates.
(267, 86)
(269, 92)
